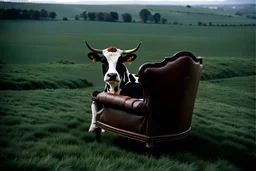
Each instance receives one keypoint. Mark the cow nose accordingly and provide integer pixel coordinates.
(112, 75)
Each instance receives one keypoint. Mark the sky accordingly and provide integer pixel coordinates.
(138, 1)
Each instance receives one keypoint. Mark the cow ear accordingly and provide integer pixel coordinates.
(130, 57)
(94, 57)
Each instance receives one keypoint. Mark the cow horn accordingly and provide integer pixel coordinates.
(132, 50)
(92, 49)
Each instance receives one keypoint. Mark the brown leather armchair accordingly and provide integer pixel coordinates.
(165, 112)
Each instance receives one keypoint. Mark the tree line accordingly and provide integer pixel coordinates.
(200, 23)
(144, 14)
(14, 14)
(247, 16)
(200, 13)
(104, 16)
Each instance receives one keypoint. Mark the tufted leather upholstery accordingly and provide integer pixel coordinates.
(125, 103)
(122, 112)
(165, 113)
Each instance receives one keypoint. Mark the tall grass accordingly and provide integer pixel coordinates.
(47, 130)
(30, 77)
(216, 68)
(55, 75)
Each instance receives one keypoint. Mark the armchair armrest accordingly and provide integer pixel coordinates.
(120, 102)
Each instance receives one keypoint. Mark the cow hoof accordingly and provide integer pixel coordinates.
(92, 128)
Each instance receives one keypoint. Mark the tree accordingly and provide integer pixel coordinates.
(25, 14)
(22, 14)
(13, 13)
(251, 17)
(17, 13)
(92, 15)
(164, 20)
(34, 14)
(43, 13)
(238, 13)
(199, 23)
(114, 16)
(188, 6)
(127, 17)
(156, 17)
(84, 15)
(100, 16)
(175, 23)
(76, 17)
(144, 13)
(210, 24)
(107, 17)
(2, 14)
(150, 18)
(53, 15)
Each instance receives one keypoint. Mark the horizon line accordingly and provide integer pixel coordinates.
(160, 4)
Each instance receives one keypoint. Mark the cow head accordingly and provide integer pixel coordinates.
(112, 60)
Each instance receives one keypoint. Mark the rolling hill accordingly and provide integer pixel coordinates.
(181, 14)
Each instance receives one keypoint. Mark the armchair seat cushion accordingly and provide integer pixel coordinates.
(122, 120)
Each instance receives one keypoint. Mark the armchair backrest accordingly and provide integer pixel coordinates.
(169, 89)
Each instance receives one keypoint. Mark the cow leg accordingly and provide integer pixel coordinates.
(93, 121)
(93, 125)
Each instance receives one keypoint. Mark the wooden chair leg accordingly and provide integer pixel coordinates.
(149, 149)
(98, 134)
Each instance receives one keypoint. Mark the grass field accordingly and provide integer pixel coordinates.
(47, 130)
(45, 41)
(43, 126)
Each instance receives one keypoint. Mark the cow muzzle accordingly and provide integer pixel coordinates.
(112, 77)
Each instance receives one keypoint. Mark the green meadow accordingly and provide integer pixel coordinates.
(46, 81)
(45, 41)
(47, 130)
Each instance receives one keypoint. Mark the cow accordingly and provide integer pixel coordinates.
(117, 78)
